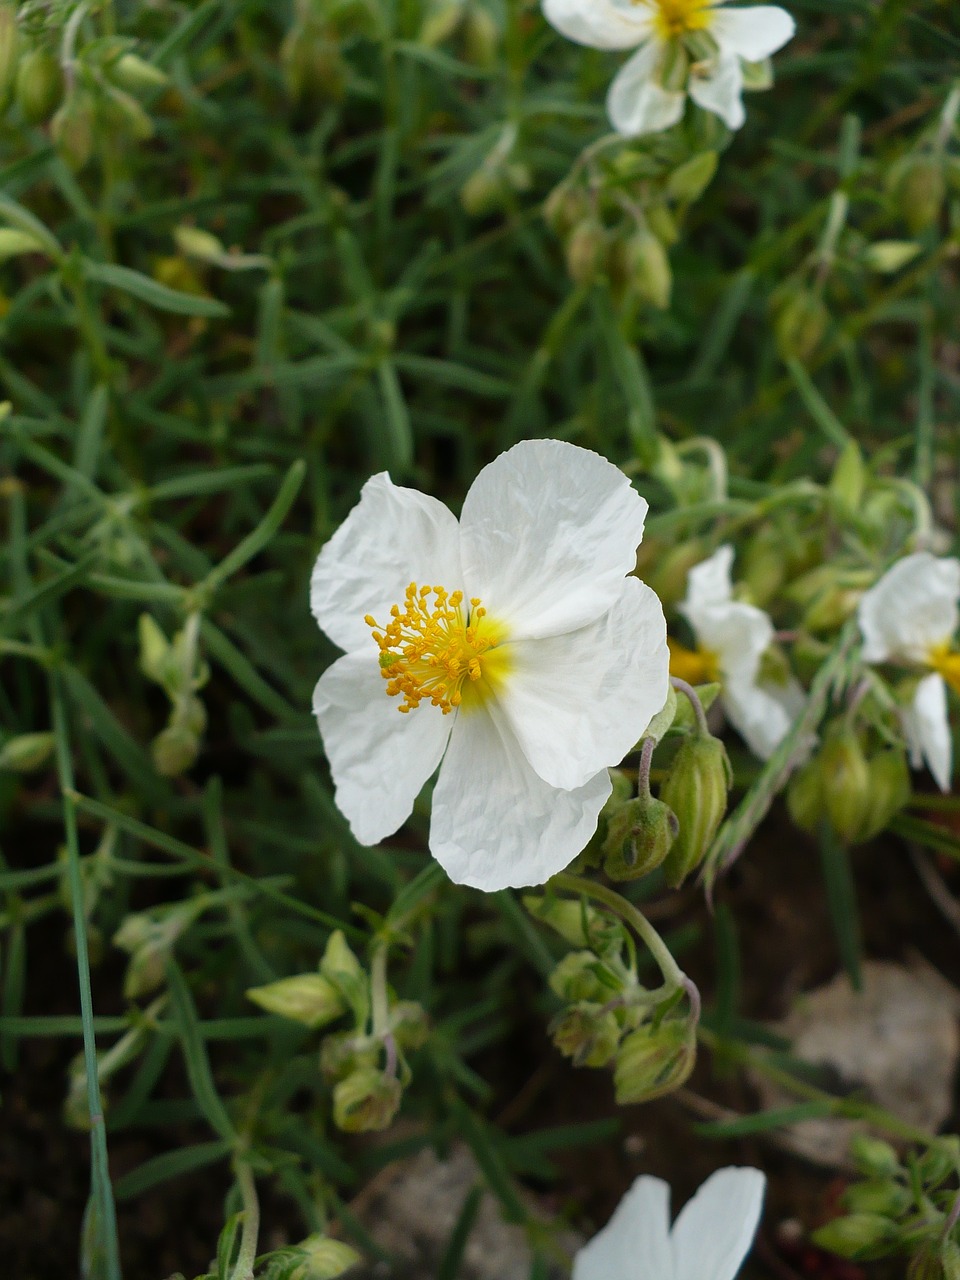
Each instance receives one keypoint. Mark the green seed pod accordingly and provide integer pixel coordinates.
(652, 1062)
(39, 85)
(800, 325)
(859, 1236)
(344, 1052)
(846, 784)
(307, 998)
(805, 799)
(696, 790)
(639, 837)
(366, 1101)
(587, 1034)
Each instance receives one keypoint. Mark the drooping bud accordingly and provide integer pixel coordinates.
(344, 1052)
(124, 113)
(26, 752)
(889, 787)
(586, 1033)
(366, 1101)
(848, 481)
(579, 924)
(308, 998)
(586, 248)
(72, 129)
(39, 85)
(872, 1157)
(484, 191)
(648, 269)
(175, 749)
(800, 325)
(858, 1236)
(654, 1061)
(805, 800)
(846, 783)
(639, 837)
(581, 976)
(696, 790)
(564, 207)
(156, 659)
(136, 75)
(323, 1259)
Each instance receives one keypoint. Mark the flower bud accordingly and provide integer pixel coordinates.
(696, 790)
(563, 208)
(9, 51)
(846, 784)
(648, 269)
(581, 976)
(136, 75)
(72, 129)
(654, 1061)
(313, 66)
(175, 750)
(890, 789)
(194, 242)
(662, 223)
(639, 837)
(39, 85)
(585, 251)
(690, 179)
(344, 1052)
(308, 998)
(341, 967)
(26, 752)
(848, 481)
(858, 1236)
(587, 1034)
(484, 191)
(480, 36)
(800, 325)
(764, 570)
(872, 1157)
(918, 185)
(124, 114)
(410, 1024)
(579, 924)
(156, 658)
(885, 1197)
(366, 1101)
(888, 256)
(149, 942)
(940, 1160)
(323, 1259)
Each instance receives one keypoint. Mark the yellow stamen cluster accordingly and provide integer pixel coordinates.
(431, 650)
(947, 663)
(676, 18)
(696, 666)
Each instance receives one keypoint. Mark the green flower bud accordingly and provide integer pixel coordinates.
(194, 242)
(919, 186)
(888, 256)
(26, 752)
(690, 179)
(344, 1052)
(481, 37)
(586, 250)
(586, 1033)
(581, 976)
(887, 1198)
(639, 837)
(872, 1157)
(175, 750)
(72, 129)
(662, 223)
(156, 659)
(696, 790)
(9, 51)
(410, 1024)
(366, 1101)
(341, 967)
(648, 269)
(654, 1061)
(484, 191)
(123, 113)
(136, 75)
(39, 85)
(149, 941)
(313, 66)
(800, 325)
(848, 481)
(323, 1259)
(308, 998)
(564, 207)
(890, 789)
(579, 924)
(846, 784)
(859, 1236)
(764, 569)
(939, 1161)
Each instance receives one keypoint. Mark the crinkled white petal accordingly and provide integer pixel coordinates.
(709, 583)
(720, 92)
(379, 758)
(392, 537)
(637, 103)
(578, 702)
(547, 533)
(599, 24)
(738, 634)
(913, 607)
(752, 33)
(496, 824)
(715, 1229)
(763, 713)
(927, 727)
(635, 1243)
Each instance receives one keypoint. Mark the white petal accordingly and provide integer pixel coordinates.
(599, 24)
(635, 1243)
(910, 609)
(547, 533)
(752, 33)
(720, 92)
(715, 1229)
(927, 727)
(708, 583)
(379, 758)
(738, 634)
(763, 713)
(392, 537)
(580, 701)
(636, 102)
(495, 823)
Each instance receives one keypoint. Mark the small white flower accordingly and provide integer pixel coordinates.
(683, 46)
(910, 616)
(709, 1240)
(732, 638)
(514, 644)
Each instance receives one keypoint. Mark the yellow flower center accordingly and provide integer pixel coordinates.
(696, 666)
(946, 663)
(676, 18)
(439, 651)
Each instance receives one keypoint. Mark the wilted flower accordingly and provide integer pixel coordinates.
(683, 46)
(910, 616)
(511, 645)
(732, 638)
(709, 1240)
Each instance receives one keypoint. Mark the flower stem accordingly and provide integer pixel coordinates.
(693, 698)
(643, 771)
(246, 1257)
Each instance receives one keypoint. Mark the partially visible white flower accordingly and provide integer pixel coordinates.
(709, 1240)
(515, 645)
(910, 616)
(732, 638)
(683, 46)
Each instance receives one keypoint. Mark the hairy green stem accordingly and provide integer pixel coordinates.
(247, 1255)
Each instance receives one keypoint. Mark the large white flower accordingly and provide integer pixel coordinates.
(709, 1240)
(683, 46)
(511, 645)
(910, 616)
(732, 638)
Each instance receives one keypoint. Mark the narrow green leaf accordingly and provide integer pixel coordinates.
(842, 902)
(150, 291)
(195, 1055)
(169, 1165)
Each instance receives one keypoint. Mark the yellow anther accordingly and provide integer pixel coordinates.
(676, 18)
(947, 663)
(696, 666)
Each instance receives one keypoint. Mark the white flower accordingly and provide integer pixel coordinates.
(695, 46)
(910, 616)
(732, 638)
(709, 1240)
(514, 644)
